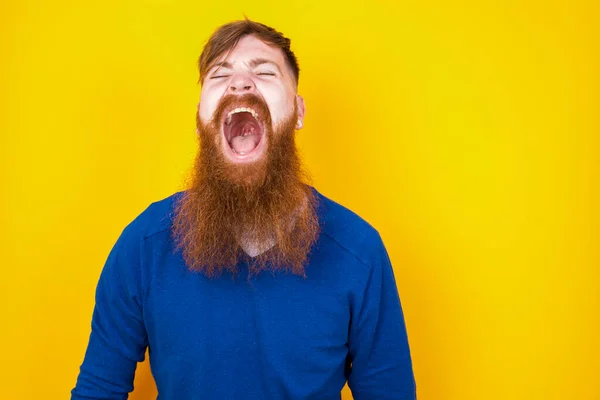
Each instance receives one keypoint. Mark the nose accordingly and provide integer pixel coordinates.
(241, 83)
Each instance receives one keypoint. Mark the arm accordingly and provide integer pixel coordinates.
(378, 344)
(118, 340)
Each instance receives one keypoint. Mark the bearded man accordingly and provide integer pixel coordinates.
(250, 284)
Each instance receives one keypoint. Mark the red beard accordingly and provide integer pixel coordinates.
(259, 203)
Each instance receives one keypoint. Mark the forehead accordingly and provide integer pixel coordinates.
(250, 47)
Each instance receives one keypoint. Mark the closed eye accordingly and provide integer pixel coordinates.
(219, 76)
(266, 73)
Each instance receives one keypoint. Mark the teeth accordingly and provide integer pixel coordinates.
(238, 110)
(241, 153)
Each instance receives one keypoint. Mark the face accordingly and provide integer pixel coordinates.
(251, 68)
(248, 185)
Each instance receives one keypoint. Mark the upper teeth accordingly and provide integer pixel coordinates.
(239, 110)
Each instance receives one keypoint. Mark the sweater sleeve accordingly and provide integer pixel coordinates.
(118, 339)
(381, 366)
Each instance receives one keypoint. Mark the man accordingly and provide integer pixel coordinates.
(250, 284)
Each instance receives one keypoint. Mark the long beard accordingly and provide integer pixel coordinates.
(260, 204)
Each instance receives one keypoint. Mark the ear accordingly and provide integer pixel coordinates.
(197, 116)
(301, 108)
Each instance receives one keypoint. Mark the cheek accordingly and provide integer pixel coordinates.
(207, 106)
(280, 103)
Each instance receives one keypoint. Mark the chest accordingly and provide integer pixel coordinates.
(282, 319)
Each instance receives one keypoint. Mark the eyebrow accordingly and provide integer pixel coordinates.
(258, 61)
(255, 62)
(222, 64)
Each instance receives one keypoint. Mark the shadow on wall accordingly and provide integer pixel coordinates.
(144, 385)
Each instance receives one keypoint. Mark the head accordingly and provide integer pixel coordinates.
(247, 186)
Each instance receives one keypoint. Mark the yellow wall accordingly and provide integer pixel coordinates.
(467, 133)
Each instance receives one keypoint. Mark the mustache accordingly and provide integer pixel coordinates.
(248, 100)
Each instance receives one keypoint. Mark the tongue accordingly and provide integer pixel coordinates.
(244, 144)
(247, 140)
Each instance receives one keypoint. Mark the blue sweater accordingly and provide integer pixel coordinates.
(276, 336)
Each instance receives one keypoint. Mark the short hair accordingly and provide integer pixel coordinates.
(227, 36)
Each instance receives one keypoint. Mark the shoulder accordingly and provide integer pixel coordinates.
(348, 230)
(156, 218)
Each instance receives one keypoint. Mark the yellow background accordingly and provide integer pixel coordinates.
(466, 132)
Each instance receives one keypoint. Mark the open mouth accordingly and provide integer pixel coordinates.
(243, 131)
